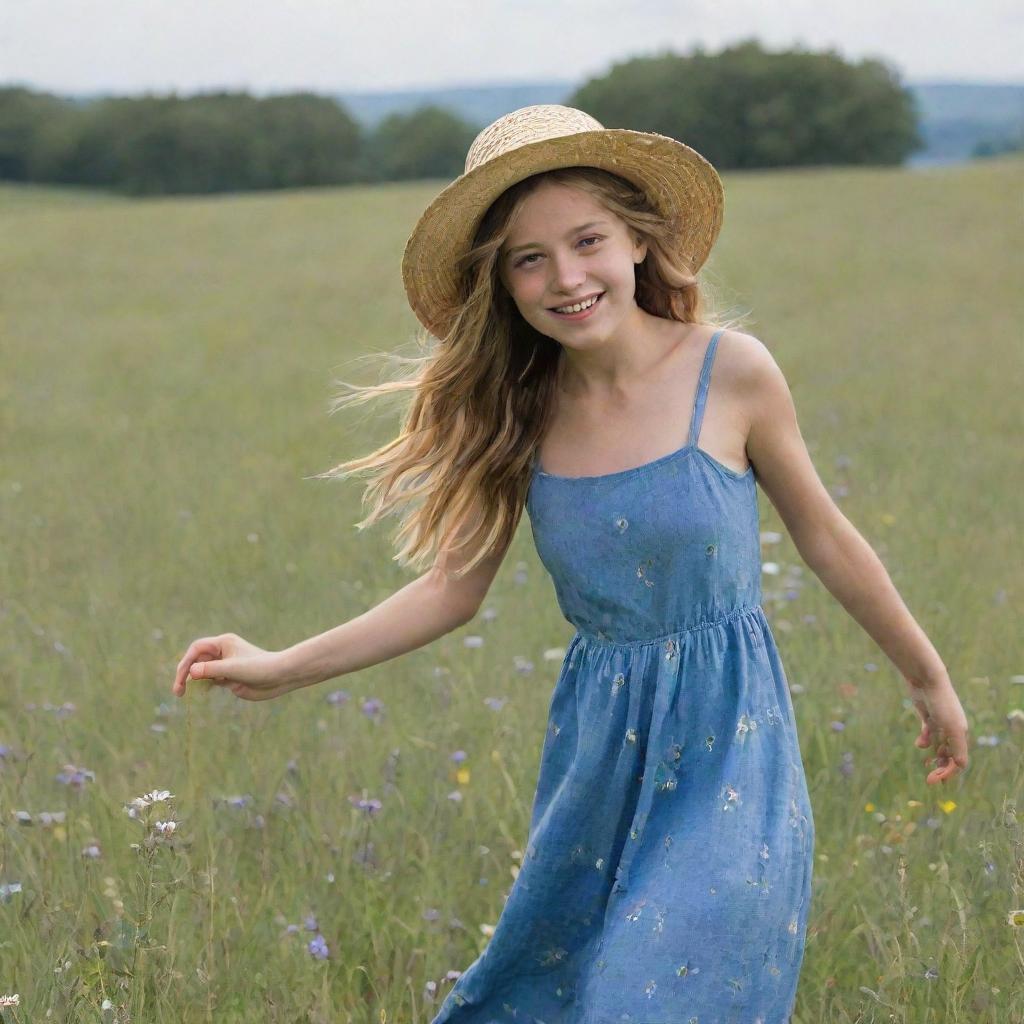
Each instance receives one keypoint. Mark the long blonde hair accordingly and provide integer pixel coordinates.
(482, 396)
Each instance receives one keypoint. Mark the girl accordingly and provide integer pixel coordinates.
(667, 873)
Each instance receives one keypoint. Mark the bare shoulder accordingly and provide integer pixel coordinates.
(743, 359)
(747, 371)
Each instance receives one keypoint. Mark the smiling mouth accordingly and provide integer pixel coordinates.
(592, 299)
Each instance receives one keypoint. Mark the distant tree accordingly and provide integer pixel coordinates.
(746, 107)
(212, 142)
(430, 142)
(22, 112)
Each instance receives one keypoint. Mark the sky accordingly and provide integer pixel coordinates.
(271, 46)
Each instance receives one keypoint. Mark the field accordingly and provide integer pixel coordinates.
(165, 370)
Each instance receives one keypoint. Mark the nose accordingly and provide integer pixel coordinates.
(567, 274)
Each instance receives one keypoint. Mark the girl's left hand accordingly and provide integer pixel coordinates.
(944, 722)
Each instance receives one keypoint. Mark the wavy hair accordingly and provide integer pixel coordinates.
(458, 472)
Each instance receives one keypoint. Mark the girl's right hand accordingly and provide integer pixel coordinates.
(250, 672)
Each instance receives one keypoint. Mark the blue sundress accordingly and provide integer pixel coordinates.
(666, 877)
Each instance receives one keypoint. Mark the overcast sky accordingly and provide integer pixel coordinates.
(128, 46)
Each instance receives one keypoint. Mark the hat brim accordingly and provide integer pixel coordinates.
(675, 177)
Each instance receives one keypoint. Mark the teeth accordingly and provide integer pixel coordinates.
(578, 308)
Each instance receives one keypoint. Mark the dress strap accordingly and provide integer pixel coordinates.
(702, 389)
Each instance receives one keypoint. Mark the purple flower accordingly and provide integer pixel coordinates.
(372, 707)
(370, 806)
(4, 750)
(318, 947)
(311, 925)
(495, 703)
(838, 726)
(846, 768)
(72, 776)
(458, 756)
(338, 697)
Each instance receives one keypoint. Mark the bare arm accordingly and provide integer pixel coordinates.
(420, 612)
(842, 559)
(410, 618)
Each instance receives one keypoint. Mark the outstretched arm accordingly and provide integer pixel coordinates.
(843, 560)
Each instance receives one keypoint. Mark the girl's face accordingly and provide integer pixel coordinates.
(567, 248)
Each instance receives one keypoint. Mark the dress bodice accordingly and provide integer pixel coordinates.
(655, 549)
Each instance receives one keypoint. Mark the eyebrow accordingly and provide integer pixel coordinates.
(568, 234)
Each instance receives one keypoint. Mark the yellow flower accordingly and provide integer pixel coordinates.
(888, 518)
(462, 775)
(948, 806)
(1016, 918)
(869, 808)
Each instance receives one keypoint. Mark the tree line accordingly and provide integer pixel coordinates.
(743, 107)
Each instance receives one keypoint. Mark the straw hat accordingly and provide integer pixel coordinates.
(676, 178)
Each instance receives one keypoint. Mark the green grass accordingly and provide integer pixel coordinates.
(165, 369)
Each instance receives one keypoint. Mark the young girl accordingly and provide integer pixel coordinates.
(667, 872)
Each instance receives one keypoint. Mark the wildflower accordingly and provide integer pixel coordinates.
(14, 1000)
(770, 537)
(458, 756)
(318, 947)
(166, 828)
(837, 726)
(554, 654)
(473, 641)
(455, 796)
(948, 806)
(154, 797)
(372, 707)
(495, 703)
(869, 808)
(311, 923)
(988, 741)
(72, 776)
(8, 890)
(771, 568)
(92, 851)
(370, 806)
(1015, 918)
(337, 697)
(462, 776)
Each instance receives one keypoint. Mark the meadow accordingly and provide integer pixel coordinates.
(341, 853)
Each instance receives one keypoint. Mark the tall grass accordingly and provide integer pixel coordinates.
(165, 369)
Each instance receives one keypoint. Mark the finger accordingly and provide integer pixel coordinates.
(206, 647)
(925, 738)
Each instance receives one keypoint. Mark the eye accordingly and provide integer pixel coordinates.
(590, 238)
